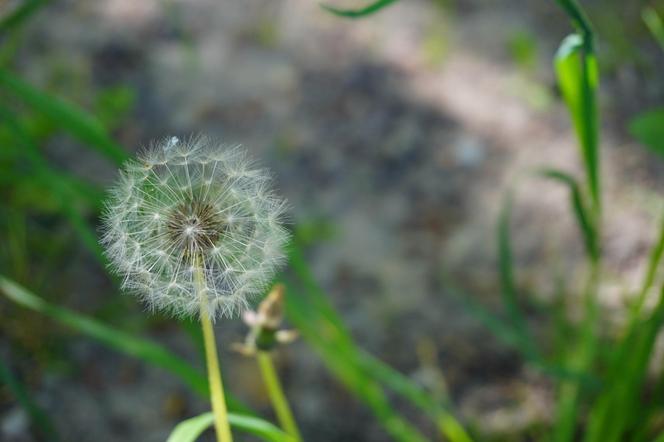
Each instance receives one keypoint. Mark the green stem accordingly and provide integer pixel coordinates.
(214, 374)
(277, 397)
(580, 358)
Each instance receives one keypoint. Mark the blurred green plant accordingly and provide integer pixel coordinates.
(605, 376)
(359, 377)
(601, 375)
(648, 129)
(522, 46)
(654, 23)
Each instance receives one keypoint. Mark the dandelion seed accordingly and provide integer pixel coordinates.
(188, 207)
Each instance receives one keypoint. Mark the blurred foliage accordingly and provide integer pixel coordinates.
(36, 117)
(655, 24)
(522, 46)
(648, 128)
(602, 381)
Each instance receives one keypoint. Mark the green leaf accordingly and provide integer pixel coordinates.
(76, 121)
(577, 73)
(116, 339)
(648, 128)
(189, 430)
(358, 13)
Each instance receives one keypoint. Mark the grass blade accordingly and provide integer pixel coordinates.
(579, 360)
(61, 185)
(447, 424)
(116, 339)
(358, 13)
(76, 121)
(511, 338)
(37, 415)
(189, 430)
(649, 278)
(507, 280)
(322, 327)
(618, 407)
(583, 218)
(578, 78)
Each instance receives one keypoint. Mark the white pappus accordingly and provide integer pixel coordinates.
(191, 222)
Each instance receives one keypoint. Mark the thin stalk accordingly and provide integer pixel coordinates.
(217, 397)
(581, 358)
(277, 396)
(653, 264)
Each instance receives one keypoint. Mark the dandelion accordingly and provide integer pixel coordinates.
(188, 208)
(194, 229)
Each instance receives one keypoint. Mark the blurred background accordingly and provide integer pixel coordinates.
(394, 139)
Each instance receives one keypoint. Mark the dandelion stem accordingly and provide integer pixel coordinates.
(277, 396)
(214, 374)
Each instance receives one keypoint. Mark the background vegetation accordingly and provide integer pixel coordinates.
(595, 361)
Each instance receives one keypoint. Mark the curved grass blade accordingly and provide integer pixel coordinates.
(358, 13)
(319, 323)
(510, 337)
(189, 430)
(507, 280)
(447, 424)
(649, 278)
(77, 122)
(341, 360)
(116, 339)
(583, 218)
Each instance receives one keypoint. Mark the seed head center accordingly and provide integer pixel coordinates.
(196, 226)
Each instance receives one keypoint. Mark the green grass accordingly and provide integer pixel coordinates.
(603, 389)
(365, 11)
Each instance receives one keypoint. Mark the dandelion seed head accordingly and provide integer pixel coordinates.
(183, 209)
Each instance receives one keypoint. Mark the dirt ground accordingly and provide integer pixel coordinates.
(404, 132)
